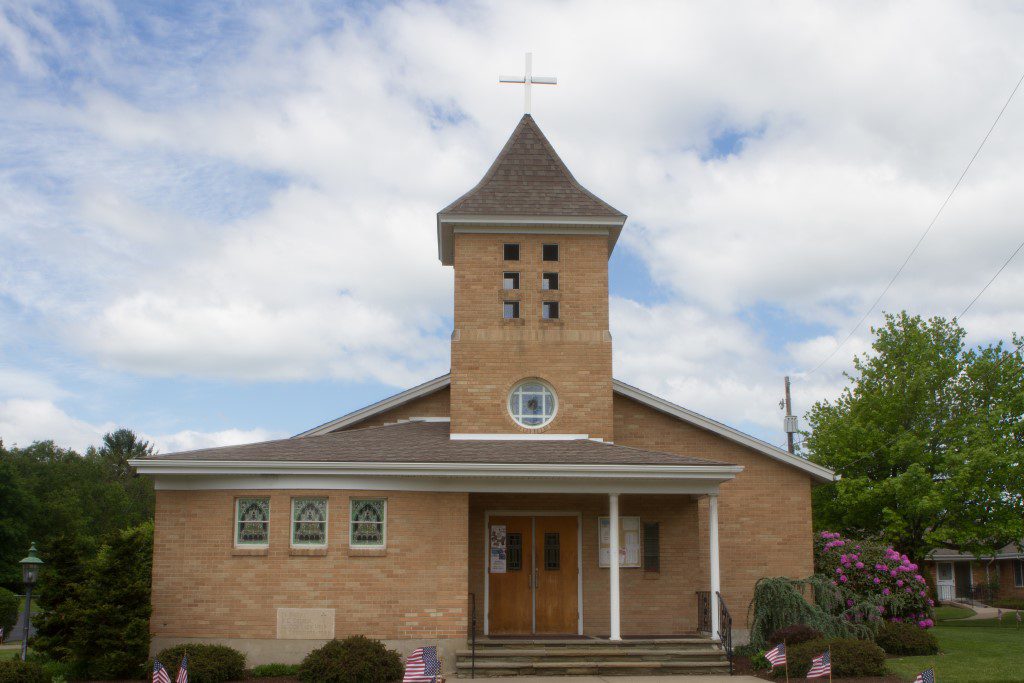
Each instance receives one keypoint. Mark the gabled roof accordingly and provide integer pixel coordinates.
(527, 186)
(819, 473)
(429, 442)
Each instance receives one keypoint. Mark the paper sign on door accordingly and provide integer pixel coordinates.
(499, 549)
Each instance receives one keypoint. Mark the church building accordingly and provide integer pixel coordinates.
(526, 499)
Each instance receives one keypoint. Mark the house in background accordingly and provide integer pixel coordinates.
(527, 491)
(965, 576)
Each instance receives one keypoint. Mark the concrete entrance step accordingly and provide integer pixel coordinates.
(580, 657)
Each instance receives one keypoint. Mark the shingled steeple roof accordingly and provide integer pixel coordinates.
(528, 184)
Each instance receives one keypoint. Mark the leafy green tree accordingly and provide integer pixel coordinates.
(928, 439)
(10, 605)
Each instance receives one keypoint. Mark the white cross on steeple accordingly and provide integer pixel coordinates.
(527, 80)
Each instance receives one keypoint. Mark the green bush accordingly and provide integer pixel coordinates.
(1009, 603)
(10, 605)
(206, 663)
(274, 670)
(794, 635)
(354, 660)
(851, 658)
(906, 640)
(17, 671)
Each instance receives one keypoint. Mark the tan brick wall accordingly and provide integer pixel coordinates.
(764, 514)
(490, 355)
(203, 589)
(652, 603)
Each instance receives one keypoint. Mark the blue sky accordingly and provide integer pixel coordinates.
(217, 219)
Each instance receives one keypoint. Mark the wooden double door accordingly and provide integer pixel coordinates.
(538, 591)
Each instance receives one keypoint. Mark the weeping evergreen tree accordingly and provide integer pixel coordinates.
(779, 602)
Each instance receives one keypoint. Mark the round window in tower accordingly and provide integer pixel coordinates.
(532, 404)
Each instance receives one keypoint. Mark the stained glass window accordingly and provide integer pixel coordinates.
(368, 522)
(552, 551)
(309, 521)
(532, 404)
(252, 521)
(514, 560)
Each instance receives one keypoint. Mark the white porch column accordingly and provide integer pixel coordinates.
(613, 563)
(716, 585)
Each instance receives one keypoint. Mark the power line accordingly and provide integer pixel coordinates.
(927, 230)
(1001, 268)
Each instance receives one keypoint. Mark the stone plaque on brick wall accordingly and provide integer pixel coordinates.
(294, 623)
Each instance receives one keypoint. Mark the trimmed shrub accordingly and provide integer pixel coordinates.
(274, 670)
(17, 671)
(794, 635)
(906, 639)
(206, 663)
(10, 605)
(1009, 603)
(354, 660)
(851, 658)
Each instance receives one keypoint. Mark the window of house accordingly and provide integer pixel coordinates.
(549, 281)
(550, 252)
(510, 281)
(252, 521)
(309, 521)
(514, 556)
(1018, 573)
(368, 523)
(945, 571)
(532, 404)
(511, 252)
(652, 547)
(552, 551)
(510, 310)
(550, 310)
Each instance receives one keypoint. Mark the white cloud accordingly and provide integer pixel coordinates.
(260, 205)
(23, 421)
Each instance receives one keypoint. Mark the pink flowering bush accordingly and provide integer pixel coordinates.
(875, 583)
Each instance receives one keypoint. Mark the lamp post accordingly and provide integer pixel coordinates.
(29, 575)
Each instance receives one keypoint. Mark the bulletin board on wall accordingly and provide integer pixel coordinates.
(630, 550)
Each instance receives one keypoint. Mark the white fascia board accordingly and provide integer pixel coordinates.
(388, 403)
(820, 473)
(545, 436)
(553, 486)
(163, 467)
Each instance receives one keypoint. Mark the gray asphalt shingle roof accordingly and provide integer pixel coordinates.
(429, 442)
(529, 179)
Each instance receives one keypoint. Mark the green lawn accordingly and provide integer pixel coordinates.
(946, 612)
(10, 654)
(971, 651)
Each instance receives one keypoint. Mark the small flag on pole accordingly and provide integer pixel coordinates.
(160, 674)
(821, 666)
(422, 666)
(777, 655)
(926, 676)
(182, 676)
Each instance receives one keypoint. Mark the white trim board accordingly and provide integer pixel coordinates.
(819, 473)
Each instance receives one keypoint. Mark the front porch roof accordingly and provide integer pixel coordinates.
(420, 455)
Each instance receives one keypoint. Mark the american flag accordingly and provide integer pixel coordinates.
(777, 655)
(926, 676)
(160, 673)
(422, 666)
(821, 666)
(182, 676)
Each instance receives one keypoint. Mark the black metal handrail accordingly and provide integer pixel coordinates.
(725, 629)
(704, 612)
(472, 635)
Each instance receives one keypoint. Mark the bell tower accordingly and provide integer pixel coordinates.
(531, 350)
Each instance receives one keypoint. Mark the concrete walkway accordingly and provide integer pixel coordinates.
(984, 612)
(623, 679)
